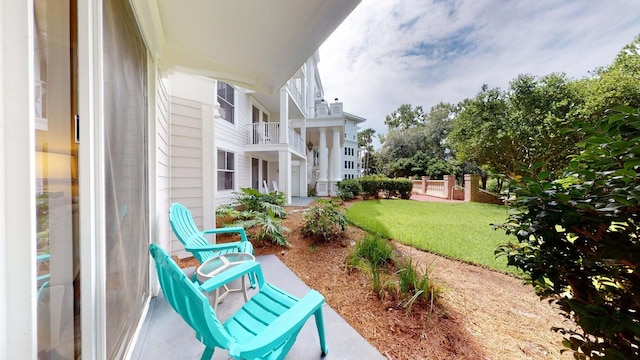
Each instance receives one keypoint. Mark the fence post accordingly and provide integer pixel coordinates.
(449, 182)
(471, 187)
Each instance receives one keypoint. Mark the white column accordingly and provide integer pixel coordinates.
(284, 174)
(324, 156)
(322, 186)
(336, 165)
(283, 134)
(304, 177)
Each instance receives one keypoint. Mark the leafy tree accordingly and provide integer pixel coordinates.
(579, 238)
(400, 144)
(438, 124)
(612, 85)
(503, 131)
(365, 137)
(405, 117)
(421, 164)
(479, 133)
(365, 141)
(539, 108)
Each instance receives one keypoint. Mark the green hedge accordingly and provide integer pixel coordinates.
(349, 189)
(373, 185)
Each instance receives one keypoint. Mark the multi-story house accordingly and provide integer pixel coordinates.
(224, 137)
(98, 136)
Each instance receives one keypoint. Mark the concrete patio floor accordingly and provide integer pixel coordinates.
(164, 335)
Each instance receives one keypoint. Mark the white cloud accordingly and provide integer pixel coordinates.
(390, 52)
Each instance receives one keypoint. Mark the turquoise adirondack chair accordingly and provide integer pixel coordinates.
(263, 328)
(194, 240)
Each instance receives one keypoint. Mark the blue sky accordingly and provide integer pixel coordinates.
(422, 52)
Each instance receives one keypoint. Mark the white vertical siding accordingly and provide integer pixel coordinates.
(233, 137)
(186, 158)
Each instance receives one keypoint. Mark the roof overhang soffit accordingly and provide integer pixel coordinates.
(258, 45)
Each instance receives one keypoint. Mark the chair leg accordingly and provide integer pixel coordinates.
(320, 325)
(208, 353)
(244, 287)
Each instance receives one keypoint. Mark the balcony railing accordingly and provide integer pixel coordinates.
(295, 140)
(296, 89)
(269, 133)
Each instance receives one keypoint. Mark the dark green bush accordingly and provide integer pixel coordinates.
(403, 188)
(324, 221)
(373, 185)
(579, 239)
(349, 189)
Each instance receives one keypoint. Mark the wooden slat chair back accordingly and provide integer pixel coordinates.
(264, 328)
(194, 240)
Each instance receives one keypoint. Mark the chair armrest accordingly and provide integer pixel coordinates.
(226, 230)
(232, 274)
(281, 328)
(212, 247)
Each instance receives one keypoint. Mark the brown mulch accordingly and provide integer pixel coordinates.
(481, 313)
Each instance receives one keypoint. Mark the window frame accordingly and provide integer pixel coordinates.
(225, 169)
(225, 94)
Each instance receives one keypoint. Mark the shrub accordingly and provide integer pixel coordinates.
(374, 184)
(579, 239)
(497, 185)
(253, 200)
(371, 185)
(257, 210)
(311, 190)
(349, 189)
(324, 221)
(493, 186)
(269, 229)
(268, 226)
(403, 188)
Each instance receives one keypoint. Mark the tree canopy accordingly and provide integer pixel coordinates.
(414, 147)
(405, 117)
(503, 130)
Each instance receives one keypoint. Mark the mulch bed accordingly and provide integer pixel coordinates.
(481, 314)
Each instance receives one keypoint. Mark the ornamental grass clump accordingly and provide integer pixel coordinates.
(373, 253)
(401, 281)
(415, 287)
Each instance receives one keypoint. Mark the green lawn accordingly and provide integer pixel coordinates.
(457, 230)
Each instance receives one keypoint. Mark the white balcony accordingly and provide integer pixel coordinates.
(268, 133)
